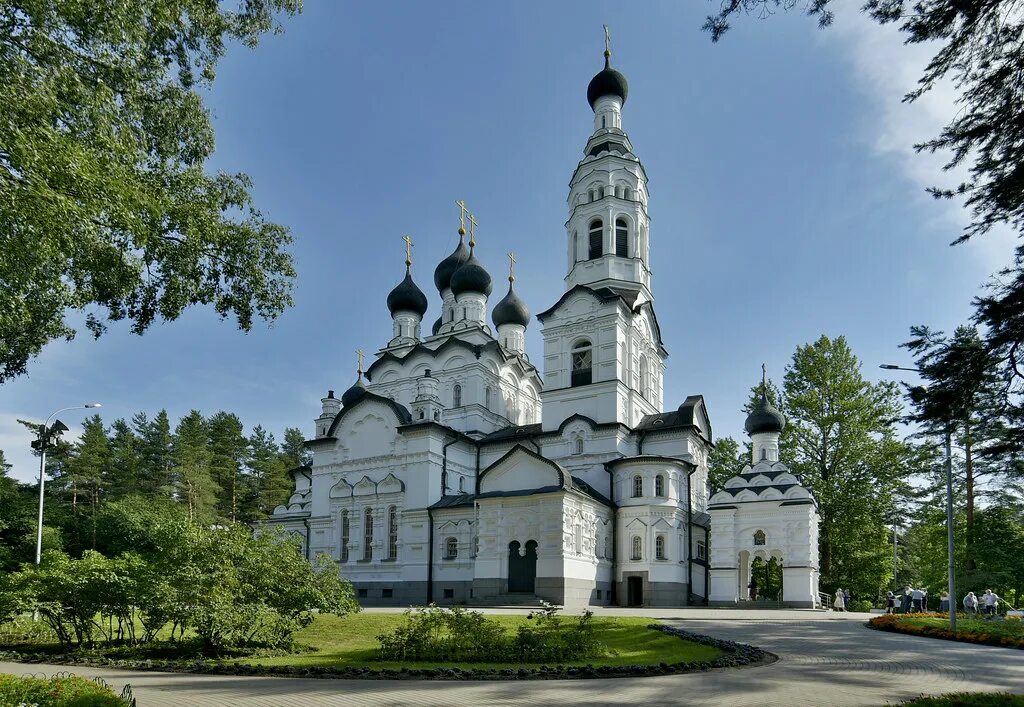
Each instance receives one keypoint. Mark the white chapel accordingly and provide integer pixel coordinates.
(455, 470)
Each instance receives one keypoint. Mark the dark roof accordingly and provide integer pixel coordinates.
(765, 417)
(407, 297)
(583, 487)
(475, 349)
(647, 458)
(471, 276)
(513, 432)
(607, 82)
(437, 326)
(443, 271)
(681, 418)
(455, 501)
(736, 490)
(510, 310)
(352, 395)
(701, 519)
(401, 412)
(605, 294)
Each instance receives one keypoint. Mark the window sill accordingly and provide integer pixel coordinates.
(364, 561)
(390, 559)
(449, 559)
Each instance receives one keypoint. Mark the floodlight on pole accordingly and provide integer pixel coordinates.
(45, 432)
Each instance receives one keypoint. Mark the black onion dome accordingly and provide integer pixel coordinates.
(764, 418)
(437, 327)
(447, 267)
(354, 394)
(608, 82)
(511, 310)
(406, 297)
(471, 277)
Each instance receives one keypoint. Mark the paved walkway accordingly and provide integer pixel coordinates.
(825, 659)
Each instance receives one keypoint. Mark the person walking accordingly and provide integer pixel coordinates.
(846, 600)
(944, 602)
(991, 602)
(924, 599)
(916, 598)
(971, 604)
(905, 601)
(840, 601)
(890, 603)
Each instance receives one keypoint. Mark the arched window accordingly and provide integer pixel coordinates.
(659, 485)
(590, 195)
(487, 397)
(621, 238)
(462, 484)
(457, 396)
(644, 393)
(451, 548)
(638, 486)
(603, 121)
(596, 236)
(578, 447)
(575, 246)
(627, 193)
(368, 534)
(759, 538)
(344, 536)
(582, 363)
(637, 550)
(659, 547)
(392, 533)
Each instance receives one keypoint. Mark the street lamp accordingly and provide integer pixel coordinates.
(918, 393)
(45, 432)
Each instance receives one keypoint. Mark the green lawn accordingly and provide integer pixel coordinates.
(969, 699)
(351, 641)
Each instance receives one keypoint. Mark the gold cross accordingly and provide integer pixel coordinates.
(764, 377)
(462, 216)
(472, 231)
(408, 249)
(511, 266)
(359, 359)
(607, 41)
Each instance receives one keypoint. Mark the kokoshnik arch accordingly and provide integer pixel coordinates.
(453, 470)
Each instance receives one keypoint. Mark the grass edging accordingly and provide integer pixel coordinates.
(893, 625)
(734, 655)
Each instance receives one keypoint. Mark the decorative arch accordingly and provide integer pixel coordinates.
(595, 239)
(582, 359)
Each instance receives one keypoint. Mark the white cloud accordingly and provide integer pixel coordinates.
(887, 69)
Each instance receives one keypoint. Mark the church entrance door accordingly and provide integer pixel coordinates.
(634, 591)
(522, 568)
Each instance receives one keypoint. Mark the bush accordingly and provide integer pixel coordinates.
(969, 699)
(456, 635)
(862, 605)
(992, 632)
(70, 691)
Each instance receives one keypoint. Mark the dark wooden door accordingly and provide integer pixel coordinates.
(634, 591)
(522, 568)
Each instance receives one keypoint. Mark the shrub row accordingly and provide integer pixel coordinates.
(903, 623)
(734, 655)
(60, 691)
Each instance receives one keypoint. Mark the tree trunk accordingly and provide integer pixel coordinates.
(969, 487)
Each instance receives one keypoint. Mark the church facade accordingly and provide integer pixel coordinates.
(456, 470)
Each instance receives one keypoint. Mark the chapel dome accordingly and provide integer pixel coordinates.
(447, 267)
(607, 82)
(510, 310)
(407, 297)
(765, 417)
(471, 277)
(354, 394)
(437, 327)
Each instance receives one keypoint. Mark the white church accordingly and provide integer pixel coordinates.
(455, 471)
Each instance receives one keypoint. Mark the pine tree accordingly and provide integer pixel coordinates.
(88, 466)
(228, 456)
(724, 462)
(122, 475)
(269, 483)
(156, 445)
(294, 448)
(192, 478)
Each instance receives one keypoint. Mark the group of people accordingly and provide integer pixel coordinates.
(842, 600)
(916, 600)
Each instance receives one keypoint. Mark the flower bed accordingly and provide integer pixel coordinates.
(733, 655)
(1006, 634)
(60, 691)
(968, 699)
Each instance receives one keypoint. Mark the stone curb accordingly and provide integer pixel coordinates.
(736, 655)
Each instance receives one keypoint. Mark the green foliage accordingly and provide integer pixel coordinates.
(724, 462)
(968, 699)
(105, 204)
(69, 691)
(193, 480)
(459, 636)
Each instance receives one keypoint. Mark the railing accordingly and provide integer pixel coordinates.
(825, 599)
(126, 693)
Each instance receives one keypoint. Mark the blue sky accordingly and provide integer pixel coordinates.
(786, 200)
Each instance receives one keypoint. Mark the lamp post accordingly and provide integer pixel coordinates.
(45, 432)
(920, 392)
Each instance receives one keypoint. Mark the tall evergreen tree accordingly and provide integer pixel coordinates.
(269, 483)
(724, 462)
(156, 447)
(122, 475)
(294, 448)
(89, 464)
(843, 446)
(228, 457)
(192, 478)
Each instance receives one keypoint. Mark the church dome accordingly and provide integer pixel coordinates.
(354, 394)
(447, 267)
(607, 82)
(510, 310)
(407, 297)
(765, 417)
(437, 327)
(471, 277)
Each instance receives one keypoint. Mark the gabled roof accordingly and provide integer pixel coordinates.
(603, 294)
(401, 412)
(683, 417)
(456, 501)
(454, 342)
(512, 432)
